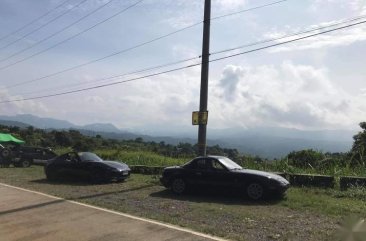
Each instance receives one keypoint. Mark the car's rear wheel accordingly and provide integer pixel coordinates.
(25, 163)
(255, 191)
(5, 153)
(178, 186)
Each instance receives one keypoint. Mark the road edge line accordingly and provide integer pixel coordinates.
(171, 226)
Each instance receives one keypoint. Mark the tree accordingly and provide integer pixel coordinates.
(359, 145)
(62, 138)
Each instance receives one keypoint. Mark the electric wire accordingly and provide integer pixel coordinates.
(249, 9)
(57, 32)
(181, 68)
(43, 25)
(213, 53)
(286, 42)
(291, 35)
(115, 53)
(33, 21)
(101, 86)
(100, 59)
(114, 77)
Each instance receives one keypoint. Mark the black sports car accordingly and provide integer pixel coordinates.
(85, 165)
(221, 172)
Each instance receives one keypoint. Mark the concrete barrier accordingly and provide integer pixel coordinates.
(307, 180)
(347, 182)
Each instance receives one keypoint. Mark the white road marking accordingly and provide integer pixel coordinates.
(121, 214)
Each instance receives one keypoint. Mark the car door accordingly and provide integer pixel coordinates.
(70, 166)
(216, 175)
(195, 173)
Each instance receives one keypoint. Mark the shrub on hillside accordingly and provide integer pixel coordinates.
(305, 158)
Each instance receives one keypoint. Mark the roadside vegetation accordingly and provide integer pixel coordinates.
(140, 152)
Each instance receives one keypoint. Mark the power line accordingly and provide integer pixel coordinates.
(249, 9)
(213, 53)
(289, 41)
(290, 35)
(33, 21)
(181, 68)
(101, 86)
(57, 32)
(43, 25)
(69, 26)
(113, 54)
(116, 76)
(100, 59)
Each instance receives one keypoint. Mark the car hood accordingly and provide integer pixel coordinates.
(118, 165)
(261, 174)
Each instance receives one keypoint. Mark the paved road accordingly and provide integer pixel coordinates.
(31, 216)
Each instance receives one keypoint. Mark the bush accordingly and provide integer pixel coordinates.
(305, 158)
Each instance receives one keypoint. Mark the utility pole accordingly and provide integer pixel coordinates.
(202, 128)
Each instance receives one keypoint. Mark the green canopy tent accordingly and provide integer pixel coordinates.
(9, 138)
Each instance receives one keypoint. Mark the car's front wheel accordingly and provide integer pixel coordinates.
(255, 191)
(178, 186)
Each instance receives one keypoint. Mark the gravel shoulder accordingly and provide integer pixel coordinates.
(304, 214)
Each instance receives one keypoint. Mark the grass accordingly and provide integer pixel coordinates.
(305, 213)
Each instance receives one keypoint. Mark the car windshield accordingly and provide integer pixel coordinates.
(229, 164)
(88, 156)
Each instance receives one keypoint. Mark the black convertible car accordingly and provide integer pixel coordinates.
(221, 172)
(87, 166)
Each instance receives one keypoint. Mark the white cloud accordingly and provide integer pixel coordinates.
(288, 95)
(350, 5)
(230, 77)
(20, 107)
(230, 4)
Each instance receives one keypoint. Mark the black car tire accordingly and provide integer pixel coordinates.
(5, 153)
(25, 163)
(178, 186)
(255, 191)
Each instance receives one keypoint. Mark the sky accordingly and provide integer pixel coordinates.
(312, 84)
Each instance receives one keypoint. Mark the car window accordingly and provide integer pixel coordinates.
(88, 156)
(216, 165)
(70, 157)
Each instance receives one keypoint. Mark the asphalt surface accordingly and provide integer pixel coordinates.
(32, 216)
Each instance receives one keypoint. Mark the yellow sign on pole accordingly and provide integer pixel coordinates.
(199, 118)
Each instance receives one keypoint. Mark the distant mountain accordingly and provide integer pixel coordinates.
(38, 122)
(277, 147)
(50, 123)
(13, 123)
(104, 127)
(267, 142)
